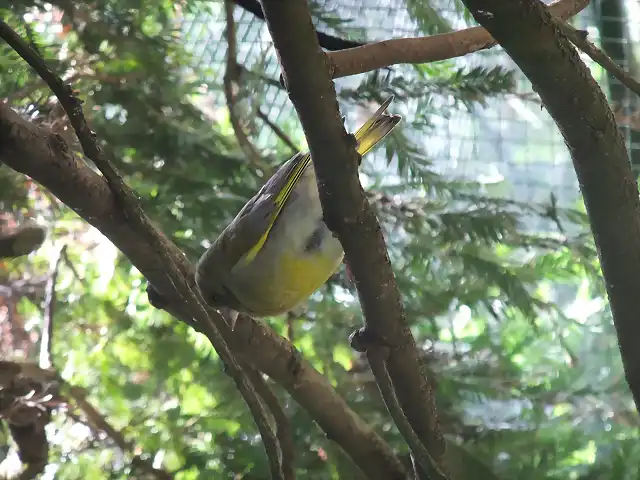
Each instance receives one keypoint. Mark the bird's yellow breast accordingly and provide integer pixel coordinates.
(295, 260)
(289, 280)
(303, 274)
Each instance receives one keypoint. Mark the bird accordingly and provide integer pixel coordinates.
(278, 250)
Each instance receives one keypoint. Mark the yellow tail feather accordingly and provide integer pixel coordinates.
(367, 136)
(376, 128)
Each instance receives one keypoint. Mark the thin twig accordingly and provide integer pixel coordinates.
(290, 327)
(419, 452)
(84, 75)
(277, 130)
(579, 39)
(283, 426)
(126, 199)
(260, 415)
(71, 266)
(231, 77)
(46, 338)
(73, 107)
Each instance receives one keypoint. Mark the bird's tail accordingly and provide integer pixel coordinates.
(376, 128)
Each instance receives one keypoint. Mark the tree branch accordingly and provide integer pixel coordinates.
(347, 212)
(130, 212)
(231, 78)
(283, 426)
(26, 148)
(372, 56)
(329, 42)
(597, 148)
(579, 39)
(28, 395)
(277, 130)
(45, 383)
(377, 359)
(72, 267)
(46, 337)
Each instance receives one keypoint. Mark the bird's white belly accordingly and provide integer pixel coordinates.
(298, 257)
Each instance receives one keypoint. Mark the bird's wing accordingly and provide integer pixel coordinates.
(248, 232)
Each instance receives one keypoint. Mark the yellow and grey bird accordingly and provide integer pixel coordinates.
(277, 251)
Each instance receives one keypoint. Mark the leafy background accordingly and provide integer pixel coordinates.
(475, 193)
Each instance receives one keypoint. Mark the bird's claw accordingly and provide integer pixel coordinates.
(363, 339)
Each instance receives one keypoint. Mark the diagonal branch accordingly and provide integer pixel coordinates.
(128, 207)
(327, 41)
(72, 105)
(277, 130)
(596, 146)
(348, 214)
(377, 361)
(26, 148)
(372, 56)
(580, 40)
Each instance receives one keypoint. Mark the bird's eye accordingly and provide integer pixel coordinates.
(220, 297)
(213, 300)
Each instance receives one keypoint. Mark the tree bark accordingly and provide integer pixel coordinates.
(347, 213)
(529, 35)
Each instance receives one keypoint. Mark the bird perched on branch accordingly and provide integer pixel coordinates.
(277, 251)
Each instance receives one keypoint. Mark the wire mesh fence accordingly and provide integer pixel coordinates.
(511, 144)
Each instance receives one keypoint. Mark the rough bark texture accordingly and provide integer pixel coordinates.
(347, 213)
(372, 56)
(575, 101)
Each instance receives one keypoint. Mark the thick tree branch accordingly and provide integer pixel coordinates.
(130, 210)
(372, 56)
(575, 101)
(27, 148)
(348, 214)
(580, 40)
